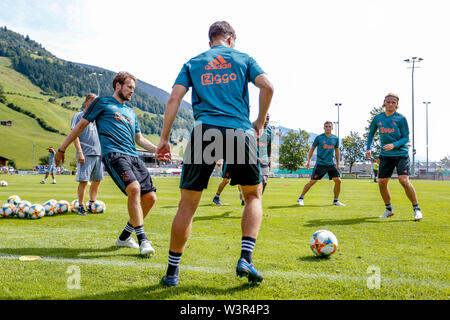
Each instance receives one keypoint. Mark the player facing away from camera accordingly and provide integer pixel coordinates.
(118, 131)
(394, 136)
(89, 159)
(327, 146)
(223, 184)
(219, 79)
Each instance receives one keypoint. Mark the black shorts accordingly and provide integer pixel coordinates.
(125, 169)
(388, 164)
(321, 170)
(207, 145)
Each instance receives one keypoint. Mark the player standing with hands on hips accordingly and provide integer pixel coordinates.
(119, 132)
(219, 79)
(394, 136)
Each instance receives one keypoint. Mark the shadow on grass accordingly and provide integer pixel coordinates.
(225, 215)
(201, 205)
(159, 292)
(345, 222)
(75, 253)
(314, 259)
(297, 206)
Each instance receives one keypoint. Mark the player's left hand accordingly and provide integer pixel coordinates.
(388, 147)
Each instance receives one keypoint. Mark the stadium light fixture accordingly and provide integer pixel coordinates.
(413, 60)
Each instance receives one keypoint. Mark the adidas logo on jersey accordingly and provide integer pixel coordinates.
(218, 63)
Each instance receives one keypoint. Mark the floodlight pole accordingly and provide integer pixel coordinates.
(427, 103)
(413, 61)
(96, 79)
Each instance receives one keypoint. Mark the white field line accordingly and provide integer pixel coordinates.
(278, 274)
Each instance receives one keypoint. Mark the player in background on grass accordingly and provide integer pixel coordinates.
(327, 146)
(376, 166)
(89, 156)
(394, 136)
(119, 131)
(219, 79)
(265, 152)
(51, 168)
(223, 184)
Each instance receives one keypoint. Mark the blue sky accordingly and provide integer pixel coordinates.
(316, 53)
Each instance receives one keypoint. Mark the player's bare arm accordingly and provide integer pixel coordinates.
(310, 154)
(76, 131)
(163, 149)
(77, 145)
(144, 143)
(265, 97)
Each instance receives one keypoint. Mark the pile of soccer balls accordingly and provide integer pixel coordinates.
(16, 207)
(3, 183)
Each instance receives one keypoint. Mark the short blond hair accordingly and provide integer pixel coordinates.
(391, 95)
(90, 96)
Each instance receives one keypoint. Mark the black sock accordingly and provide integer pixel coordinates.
(389, 207)
(416, 207)
(336, 200)
(247, 246)
(174, 262)
(140, 234)
(126, 233)
(301, 197)
(217, 195)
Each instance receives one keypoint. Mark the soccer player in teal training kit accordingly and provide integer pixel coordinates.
(394, 136)
(119, 130)
(327, 146)
(219, 79)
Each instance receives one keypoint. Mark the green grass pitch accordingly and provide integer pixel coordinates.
(410, 258)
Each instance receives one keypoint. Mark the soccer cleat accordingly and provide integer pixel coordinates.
(387, 214)
(170, 281)
(43, 182)
(300, 202)
(338, 203)
(245, 269)
(89, 207)
(216, 200)
(127, 243)
(54, 182)
(82, 211)
(417, 215)
(146, 248)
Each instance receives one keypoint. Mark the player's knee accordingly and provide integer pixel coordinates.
(149, 197)
(134, 189)
(404, 180)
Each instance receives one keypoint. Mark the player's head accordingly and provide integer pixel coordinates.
(89, 98)
(391, 102)
(267, 121)
(375, 160)
(124, 84)
(328, 126)
(51, 149)
(222, 31)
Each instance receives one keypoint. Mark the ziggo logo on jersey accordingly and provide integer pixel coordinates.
(209, 78)
(387, 130)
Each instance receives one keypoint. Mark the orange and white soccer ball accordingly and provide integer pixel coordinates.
(7, 210)
(62, 206)
(323, 243)
(14, 200)
(22, 209)
(50, 207)
(75, 206)
(98, 207)
(36, 211)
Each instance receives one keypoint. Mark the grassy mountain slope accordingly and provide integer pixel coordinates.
(16, 142)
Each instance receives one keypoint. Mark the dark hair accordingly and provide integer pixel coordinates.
(121, 77)
(328, 122)
(221, 29)
(89, 97)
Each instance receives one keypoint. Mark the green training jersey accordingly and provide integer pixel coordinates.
(392, 129)
(326, 148)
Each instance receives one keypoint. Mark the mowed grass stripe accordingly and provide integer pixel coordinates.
(213, 270)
